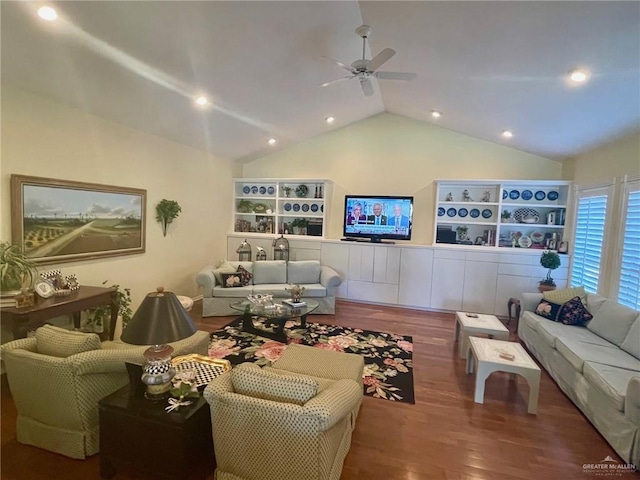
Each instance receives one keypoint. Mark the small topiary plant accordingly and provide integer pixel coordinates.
(551, 261)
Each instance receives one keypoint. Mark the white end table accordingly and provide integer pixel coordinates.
(482, 325)
(485, 354)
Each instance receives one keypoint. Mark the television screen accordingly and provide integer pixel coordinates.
(378, 217)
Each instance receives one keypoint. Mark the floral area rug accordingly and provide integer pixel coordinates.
(388, 358)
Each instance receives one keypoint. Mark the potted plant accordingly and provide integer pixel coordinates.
(549, 260)
(17, 271)
(462, 232)
(301, 225)
(97, 316)
(245, 206)
(166, 212)
(505, 215)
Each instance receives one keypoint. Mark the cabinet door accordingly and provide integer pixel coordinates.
(336, 256)
(415, 277)
(511, 286)
(447, 283)
(480, 279)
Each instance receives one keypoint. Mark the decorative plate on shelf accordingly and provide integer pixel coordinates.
(441, 212)
(487, 213)
(314, 207)
(271, 190)
(254, 189)
(452, 212)
(514, 194)
(246, 189)
(463, 212)
(302, 191)
(505, 194)
(524, 242)
(527, 194)
(526, 215)
(305, 207)
(296, 207)
(475, 213)
(537, 237)
(287, 207)
(263, 190)
(552, 195)
(540, 195)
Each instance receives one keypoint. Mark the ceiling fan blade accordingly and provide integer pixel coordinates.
(377, 61)
(331, 82)
(367, 87)
(340, 64)
(396, 75)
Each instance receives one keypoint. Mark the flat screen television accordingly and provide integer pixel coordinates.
(378, 217)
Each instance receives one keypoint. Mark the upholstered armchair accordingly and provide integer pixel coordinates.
(273, 424)
(57, 377)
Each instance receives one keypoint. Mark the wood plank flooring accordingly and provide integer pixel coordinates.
(445, 435)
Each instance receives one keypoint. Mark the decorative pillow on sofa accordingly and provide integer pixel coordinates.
(548, 310)
(574, 312)
(224, 267)
(230, 280)
(251, 380)
(60, 342)
(565, 294)
(245, 275)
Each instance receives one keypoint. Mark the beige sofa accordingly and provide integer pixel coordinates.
(268, 277)
(597, 365)
(290, 421)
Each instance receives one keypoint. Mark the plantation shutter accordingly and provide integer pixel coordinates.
(630, 264)
(589, 236)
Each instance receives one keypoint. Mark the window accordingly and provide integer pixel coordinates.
(591, 222)
(630, 260)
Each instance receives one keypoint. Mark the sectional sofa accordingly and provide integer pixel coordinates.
(268, 277)
(596, 365)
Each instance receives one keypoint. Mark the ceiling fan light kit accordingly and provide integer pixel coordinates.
(364, 69)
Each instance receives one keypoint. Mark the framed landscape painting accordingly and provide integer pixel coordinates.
(62, 221)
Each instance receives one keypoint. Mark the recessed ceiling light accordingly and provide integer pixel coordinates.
(507, 134)
(47, 13)
(329, 119)
(272, 141)
(579, 76)
(202, 101)
(436, 113)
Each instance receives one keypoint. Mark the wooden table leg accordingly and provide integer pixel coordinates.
(516, 302)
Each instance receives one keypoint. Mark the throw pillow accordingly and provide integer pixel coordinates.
(230, 280)
(566, 294)
(613, 322)
(574, 312)
(60, 342)
(251, 380)
(548, 310)
(224, 267)
(631, 342)
(245, 276)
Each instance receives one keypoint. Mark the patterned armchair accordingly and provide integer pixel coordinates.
(57, 377)
(273, 424)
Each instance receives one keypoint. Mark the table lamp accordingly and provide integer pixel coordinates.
(160, 319)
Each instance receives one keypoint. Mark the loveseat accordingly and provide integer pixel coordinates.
(597, 365)
(267, 277)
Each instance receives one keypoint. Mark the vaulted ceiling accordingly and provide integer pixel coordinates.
(487, 66)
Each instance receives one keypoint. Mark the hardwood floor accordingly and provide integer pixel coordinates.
(445, 435)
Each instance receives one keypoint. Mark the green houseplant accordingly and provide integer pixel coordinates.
(300, 224)
(166, 212)
(17, 271)
(549, 260)
(97, 316)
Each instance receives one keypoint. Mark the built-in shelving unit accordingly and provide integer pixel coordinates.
(281, 205)
(501, 213)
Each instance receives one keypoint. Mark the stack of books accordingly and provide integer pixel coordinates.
(8, 299)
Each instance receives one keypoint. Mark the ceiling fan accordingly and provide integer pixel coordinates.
(364, 69)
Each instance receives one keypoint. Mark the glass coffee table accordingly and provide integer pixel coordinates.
(276, 315)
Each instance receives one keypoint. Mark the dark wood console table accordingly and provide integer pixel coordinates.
(21, 320)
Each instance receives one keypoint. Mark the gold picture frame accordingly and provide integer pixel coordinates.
(56, 221)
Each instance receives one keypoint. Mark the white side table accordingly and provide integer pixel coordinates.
(187, 302)
(466, 326)
(485, 354)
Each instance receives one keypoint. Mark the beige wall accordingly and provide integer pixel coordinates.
(621, 157)
(393, 155)
(47, 139)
